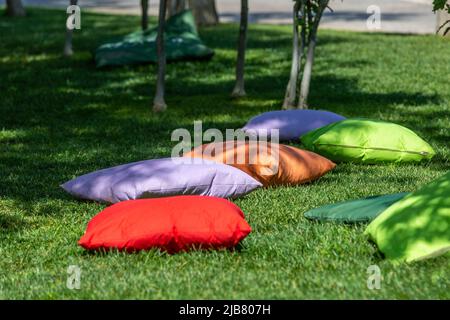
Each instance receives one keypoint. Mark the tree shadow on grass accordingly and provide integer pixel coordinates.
(73, 118)
(11, 224)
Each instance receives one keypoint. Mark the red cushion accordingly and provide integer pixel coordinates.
(172, 224)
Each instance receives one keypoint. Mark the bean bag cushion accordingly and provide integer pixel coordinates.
(160, 178)
(181, 42)
(290, 123)
(367, 141)
(275, 165)
(172, 224)
(416, 227)
(360, 210)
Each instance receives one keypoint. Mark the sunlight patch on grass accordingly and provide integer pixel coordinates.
(7, 135)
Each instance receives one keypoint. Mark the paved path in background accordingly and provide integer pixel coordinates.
(403, 16)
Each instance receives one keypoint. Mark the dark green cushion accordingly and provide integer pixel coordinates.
(181, 43)
(360, 210)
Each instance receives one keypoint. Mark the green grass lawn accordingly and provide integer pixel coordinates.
(60, 118)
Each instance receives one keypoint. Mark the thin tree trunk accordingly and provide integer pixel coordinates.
(175, 6)
(14, 8)
(68, 50)
(443, 23)
(171, 8)
(144, 12)
(307, 71)
(159, 103)
(182, 5)
(239, 88)
(205, 12)
(306, 79)
(291, 90)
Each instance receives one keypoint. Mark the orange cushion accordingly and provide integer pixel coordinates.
(294, 166)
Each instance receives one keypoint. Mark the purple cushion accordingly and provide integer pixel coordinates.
(291, 123)
(161, 178)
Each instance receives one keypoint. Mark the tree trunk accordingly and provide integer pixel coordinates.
(443, 22)
(176, 6)
(144, 12)
(159, 103)
(68, 50)
(239, 88)
(14, 8)
(205, 12)
(307, 71)
(291, 90)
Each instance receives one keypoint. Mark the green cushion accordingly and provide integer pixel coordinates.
(367, 141)
(181, 42)
(416, 227)
(360, 210)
